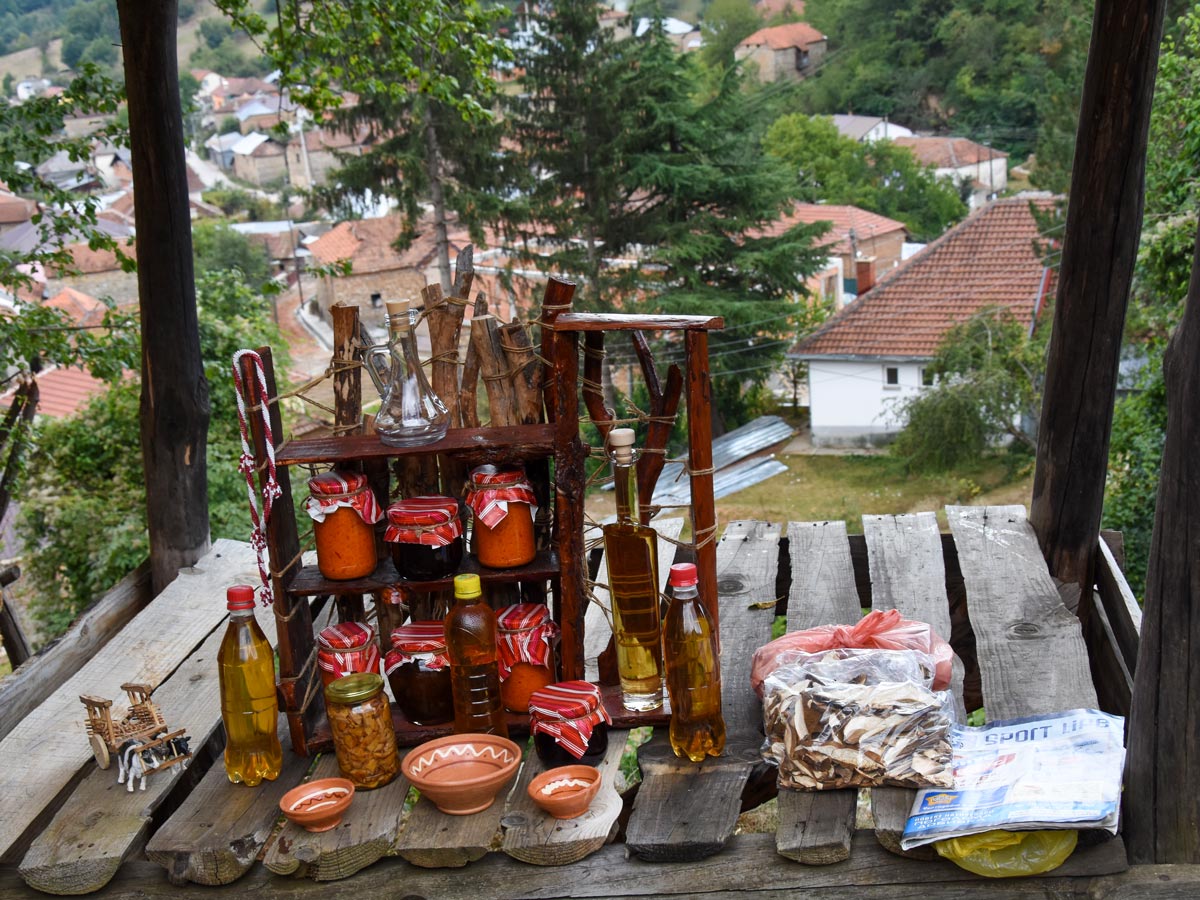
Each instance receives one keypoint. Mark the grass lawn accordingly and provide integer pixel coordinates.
(817, 488)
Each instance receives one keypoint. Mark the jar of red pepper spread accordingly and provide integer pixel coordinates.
(504, 504)
(425, 537)
(346, 649)
(569, 724)
(526, 636)
(419, 672)
(343, 510)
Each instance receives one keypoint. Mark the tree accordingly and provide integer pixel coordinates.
(726, 24)
(217, 247)
(877, 176)
(987, 386)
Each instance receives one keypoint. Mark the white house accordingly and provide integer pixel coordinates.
(964, 162)
(875, 353)
(866, 129)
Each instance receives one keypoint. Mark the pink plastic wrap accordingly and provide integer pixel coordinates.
(877, 630)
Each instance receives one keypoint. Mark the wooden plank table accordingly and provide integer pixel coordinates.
(679, 838)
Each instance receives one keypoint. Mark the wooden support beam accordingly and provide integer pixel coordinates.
(1104, 222)
(1162, 790)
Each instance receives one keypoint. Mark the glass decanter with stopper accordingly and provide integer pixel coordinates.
(632, 553)
(693, 670)
(411, 414)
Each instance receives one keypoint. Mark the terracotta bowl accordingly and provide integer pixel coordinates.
(565, 792)
(462, 773)
(318, 805)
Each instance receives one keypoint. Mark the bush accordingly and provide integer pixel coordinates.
(945, 429)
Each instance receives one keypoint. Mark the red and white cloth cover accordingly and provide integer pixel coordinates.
(432, 521)
(415, 638)
(525, 633)
(491, 489)
(345, 649)
(333, 489)
(568, 711)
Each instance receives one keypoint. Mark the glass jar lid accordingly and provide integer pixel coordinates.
(354, 688)
(346, 636)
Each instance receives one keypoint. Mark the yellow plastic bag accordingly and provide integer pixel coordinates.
(1005, 854)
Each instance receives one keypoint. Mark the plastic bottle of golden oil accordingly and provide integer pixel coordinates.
(474, 664)
(693, 671)
(249, 709)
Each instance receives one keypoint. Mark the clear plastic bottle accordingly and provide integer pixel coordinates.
(632, 553)
(411, 414)
(693, 671)
(474, 666)
(249, 709)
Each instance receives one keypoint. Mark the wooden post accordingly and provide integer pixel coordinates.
(1104, 221)
(347, 419)
(1162, 777)
(174, 407)
(704, 507)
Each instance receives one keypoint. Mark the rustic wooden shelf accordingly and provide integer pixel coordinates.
(616, 322)
(511, 442)
(310, 582)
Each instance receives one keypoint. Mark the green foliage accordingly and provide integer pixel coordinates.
(91, 34)
(877, 176)
(726, 24)
(988, 380)
(217, 247)
(83, 518)
(239, 204)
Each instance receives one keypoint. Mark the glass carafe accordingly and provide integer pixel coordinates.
(411, 414)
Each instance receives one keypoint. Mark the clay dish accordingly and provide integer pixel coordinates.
(462, 773)
(318, 805)
(565, 792)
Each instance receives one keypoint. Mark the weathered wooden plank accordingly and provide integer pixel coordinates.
(1123, 612)
(363, 837)
(750, 869)
(905, 559)
(688, 810)
(216, 834)
(815, 827)
(432, 839)
(534, 836)
(1031, 652)
(147, 650)
(37, 677)
(597, 626)
(102, 822)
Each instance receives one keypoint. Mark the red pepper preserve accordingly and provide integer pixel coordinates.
(504, 505)
(343, 509)
(693, 670)
(346, 649)
(425, 537)
(527, 636)
(569, 724)
(419, 672)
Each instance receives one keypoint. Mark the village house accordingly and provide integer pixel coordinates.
(965, 163)
(875, 352)
(259, 159)
(220, 148)
(866, 129)
(14, 211)
(784, 52)
(313, 154)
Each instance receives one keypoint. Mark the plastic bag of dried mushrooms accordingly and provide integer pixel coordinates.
(857, 718)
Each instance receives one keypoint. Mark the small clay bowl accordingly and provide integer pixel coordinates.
(318, 805)
(462, 773)
(565, 792)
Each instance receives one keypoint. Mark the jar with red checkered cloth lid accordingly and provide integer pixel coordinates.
(504, 505)
(343, 509)
(425, 536)
(526, 637)
(345, 649)
(569, 724)
(419, 672)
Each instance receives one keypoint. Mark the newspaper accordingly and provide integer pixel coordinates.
(1055, 771)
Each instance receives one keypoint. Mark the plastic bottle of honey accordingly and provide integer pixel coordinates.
(249, 709)
(474, 666)
(693, 671)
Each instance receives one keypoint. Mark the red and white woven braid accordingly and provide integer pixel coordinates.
(246, 465)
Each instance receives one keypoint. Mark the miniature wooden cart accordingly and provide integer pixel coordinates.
(144, 722)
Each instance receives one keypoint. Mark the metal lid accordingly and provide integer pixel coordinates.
(354, 688)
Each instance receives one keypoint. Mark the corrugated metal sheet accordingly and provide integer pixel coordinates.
(727, 481)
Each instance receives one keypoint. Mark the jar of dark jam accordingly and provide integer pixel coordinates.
(418, 671)
(425, 537)
(569, 724)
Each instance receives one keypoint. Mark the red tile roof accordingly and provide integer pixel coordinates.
(988, 260)
(948, 152)
(84, 309)
(843, 218)
(61, 392)
(367, 243)
(15, 209)
(781, 37)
